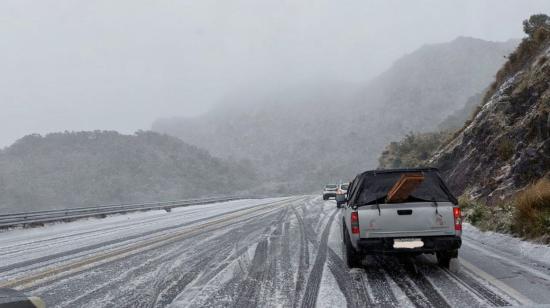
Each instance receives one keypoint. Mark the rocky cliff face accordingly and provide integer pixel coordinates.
(507, 144)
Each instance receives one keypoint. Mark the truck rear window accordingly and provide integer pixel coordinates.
(373, 186)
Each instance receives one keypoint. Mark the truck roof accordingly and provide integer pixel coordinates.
(399, 170)
(373, 186)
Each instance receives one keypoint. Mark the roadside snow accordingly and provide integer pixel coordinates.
(512, 245)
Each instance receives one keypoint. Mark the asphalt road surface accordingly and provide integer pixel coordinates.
(283, 252)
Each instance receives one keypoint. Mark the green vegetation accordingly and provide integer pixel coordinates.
(72, 169)
(498, 217)
(412, 151)
(505, 149)
(532, 215)
(535, 22)
(537, 27)
(526, 215)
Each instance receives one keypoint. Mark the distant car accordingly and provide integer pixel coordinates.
(341, 194)
(401, 211)
(329, 191)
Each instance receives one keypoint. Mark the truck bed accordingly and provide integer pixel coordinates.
(411, 219)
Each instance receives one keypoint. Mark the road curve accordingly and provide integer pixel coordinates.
(283, 252)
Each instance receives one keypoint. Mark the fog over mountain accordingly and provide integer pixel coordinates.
(267, 97)
(304, 136)
(119, 65)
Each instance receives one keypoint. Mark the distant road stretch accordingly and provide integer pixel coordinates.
(282, 252)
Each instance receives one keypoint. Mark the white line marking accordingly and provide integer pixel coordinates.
(497, 283)
(533, 271)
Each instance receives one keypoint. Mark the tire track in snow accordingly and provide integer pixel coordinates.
(271, 277)
(246, 288)
(425, 286)
(353, 288)
(477, 288)
(382, 293)
(287, 277)
(223, 242)
(259, 285)
(251, 286)
(303, 264)
(395, 271)
(314, 280)
(452, 291)
(170, 288)
(144, 268)
(38, 262)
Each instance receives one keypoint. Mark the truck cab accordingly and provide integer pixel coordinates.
(401, 211)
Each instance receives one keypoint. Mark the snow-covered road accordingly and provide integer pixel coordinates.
(283, 252)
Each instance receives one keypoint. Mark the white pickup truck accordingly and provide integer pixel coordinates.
(425, 220)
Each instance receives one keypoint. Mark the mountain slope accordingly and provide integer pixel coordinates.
(507, 144)
(88, 168)
(424, 87)
(305, 136)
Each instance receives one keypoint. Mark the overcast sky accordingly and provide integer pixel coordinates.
(120, 64)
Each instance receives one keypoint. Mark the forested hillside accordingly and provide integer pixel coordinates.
(73, 169)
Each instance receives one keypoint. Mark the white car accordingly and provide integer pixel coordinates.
(329, 191)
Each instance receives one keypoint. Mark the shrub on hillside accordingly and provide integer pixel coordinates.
(505, 149)
(494, 218)
(526, 215)
(412, 151)
(535, 22)
(532, 216)
(537, 27)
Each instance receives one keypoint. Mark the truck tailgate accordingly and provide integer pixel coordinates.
(413, 219)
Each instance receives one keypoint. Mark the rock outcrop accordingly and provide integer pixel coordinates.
(506, 145)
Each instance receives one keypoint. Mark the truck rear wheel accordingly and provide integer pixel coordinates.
(353, 257)
(444, 257)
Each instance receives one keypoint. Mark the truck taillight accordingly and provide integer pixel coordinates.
(458, 218)
(354, 223)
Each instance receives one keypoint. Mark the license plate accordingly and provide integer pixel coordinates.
(408, 243)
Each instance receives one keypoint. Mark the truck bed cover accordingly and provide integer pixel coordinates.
(373, 186)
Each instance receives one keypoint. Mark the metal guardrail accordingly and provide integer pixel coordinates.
(40, 217)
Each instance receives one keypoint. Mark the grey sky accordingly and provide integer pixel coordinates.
(82, 65)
